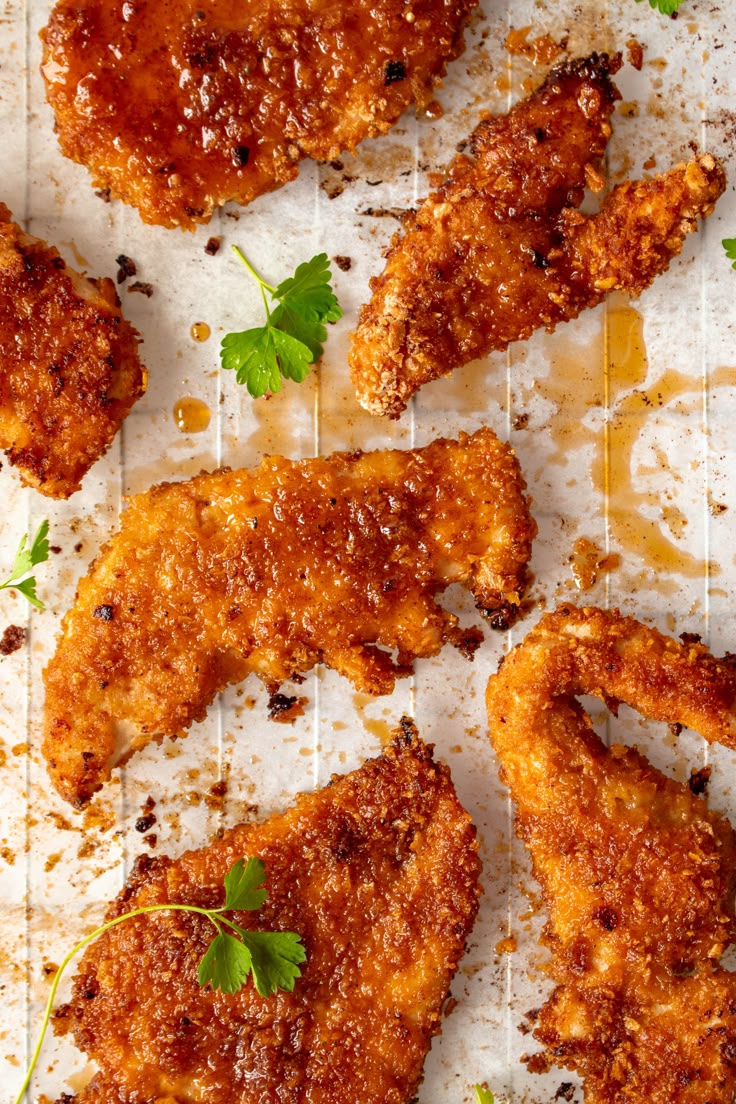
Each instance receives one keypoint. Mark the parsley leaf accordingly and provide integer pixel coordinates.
(729, 244)
(25, 559)
(225, 964)
(667, 7)
(308, 291)
(272, 958)
(483, 1095)
(294, 333)
(244, 885)
(275, 958)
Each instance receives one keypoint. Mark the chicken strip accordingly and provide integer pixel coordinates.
(501, 249)
(378, 873)
(637, 874)
(177, 106)
(336, 560)
(69, 367)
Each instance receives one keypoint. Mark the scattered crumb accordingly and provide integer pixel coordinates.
(587, 560)
(635, 52)
(126, 268)
(216, 794)
(508, 945)
(143, 288)
(148, 818)
(540, 51)
(285, 709)
(698, 780)
(13, 638)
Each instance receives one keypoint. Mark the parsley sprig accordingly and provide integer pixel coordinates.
(294, 333)
(667, 7)
(729, 244)
(272, 958)
(25, 559)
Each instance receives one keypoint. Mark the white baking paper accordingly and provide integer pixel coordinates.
(651, 485)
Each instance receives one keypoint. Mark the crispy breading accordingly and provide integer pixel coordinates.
(378, 874)
(69, 367)
(501, 249)
(638, 875)
(177, 106)
(338, 560)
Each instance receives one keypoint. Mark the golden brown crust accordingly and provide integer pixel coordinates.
(378, 873)
(69, 367)
(501, 249)
(337, 560)
(177, 106)
(638, 875)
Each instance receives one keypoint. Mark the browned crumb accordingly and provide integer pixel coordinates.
(143, 287)
(635, 52)
(541, 50)
(126, 268)
(12, 640)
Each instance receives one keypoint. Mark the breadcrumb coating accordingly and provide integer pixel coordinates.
(377, 872)
(177, 106)
(501, 249)
(337, 560)
(69, 366)
(637, 874)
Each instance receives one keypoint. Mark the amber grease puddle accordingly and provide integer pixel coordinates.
(576, 386)
(192, 415)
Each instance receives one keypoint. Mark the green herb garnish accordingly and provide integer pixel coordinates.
(25, 559)
(667, 7)
(483, 1095)
(729, 244)
(294, 332)
(271, 957)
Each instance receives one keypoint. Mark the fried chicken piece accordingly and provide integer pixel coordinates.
(69, 367)
(378, 873)
(178, 107)
(501, 249)
(638, 875)
(336, 560)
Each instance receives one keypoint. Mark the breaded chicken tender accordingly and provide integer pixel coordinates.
(377, 873)
(69, 367)
(337, 560)
(177, 106)
(637, 874)
(501, 249)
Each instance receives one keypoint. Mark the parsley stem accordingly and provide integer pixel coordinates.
(265, 303)
(79, 947)
(252, 271)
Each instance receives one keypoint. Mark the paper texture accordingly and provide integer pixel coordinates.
(649, 483)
